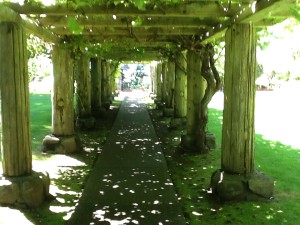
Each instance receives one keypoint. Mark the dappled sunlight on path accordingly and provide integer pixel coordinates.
(130, 183)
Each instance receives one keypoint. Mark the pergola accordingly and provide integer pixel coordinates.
(166, 31)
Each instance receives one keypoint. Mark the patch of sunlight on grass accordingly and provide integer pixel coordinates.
(6, 215)
(51, 164)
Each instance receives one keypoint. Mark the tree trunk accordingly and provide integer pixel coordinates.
(83, 87)
(96, 84)
(16, 141)
(213, 84)
(239, 96)
(180, 91)
(170, 82)
(63, 92)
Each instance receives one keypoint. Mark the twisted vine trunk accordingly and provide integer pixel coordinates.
(213, 81)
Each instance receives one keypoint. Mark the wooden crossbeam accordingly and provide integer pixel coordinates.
(139, 31)
(8, 15)
(253, 13)
(96, 21)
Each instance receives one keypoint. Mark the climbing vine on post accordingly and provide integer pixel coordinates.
(213, 84)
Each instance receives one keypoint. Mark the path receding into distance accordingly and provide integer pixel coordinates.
(129, 183)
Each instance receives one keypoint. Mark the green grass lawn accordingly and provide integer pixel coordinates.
(40, 118)
(191, 174)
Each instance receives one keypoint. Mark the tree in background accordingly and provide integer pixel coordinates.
(39, 58)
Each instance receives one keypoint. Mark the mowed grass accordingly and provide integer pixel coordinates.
(191, 173)
(40, 119)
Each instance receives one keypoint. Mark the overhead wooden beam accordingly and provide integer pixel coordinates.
(265, 9)
(126, 56)
(9, 15)
(194, 9)
(138, 31)
(96, 21)
(253, 13)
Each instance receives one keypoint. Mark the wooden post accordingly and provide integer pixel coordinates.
(159, 82)
(63, 92)
(63, 139)
(16, 141)
(195, 93)
(237, 179)
(111, 81)
(153, 79)
(83, 79)
(164, 82)
(104, 82)
(239, 96)
(96, 85)
(170, 82)
(180, 92)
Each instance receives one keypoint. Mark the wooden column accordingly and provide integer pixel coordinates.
(195, 93)
(170, 83)
(104, 83)
(180, 92)
(237, 179)
(111, 81)
(153, 79)
(164, 82)
(96, 85)
(239, 96)
(159, 81)
(63, 92)
(83, 79)
(16, 141)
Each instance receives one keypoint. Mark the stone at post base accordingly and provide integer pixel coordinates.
(31, 190)
(61, 145)
(88, 123)
(168, 112)
(235, 187)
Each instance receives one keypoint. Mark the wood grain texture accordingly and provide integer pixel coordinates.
(96, 84)
(180, 92)
(16, 141)
(83, 94)
(170, 82)
(159, 81)
(195, 91)
(239, 95)
(63, 92)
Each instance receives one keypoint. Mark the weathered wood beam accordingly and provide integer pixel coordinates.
(124, 42)
(253, 13)
(265, 9)
(96, 21)
(194, 9)
(139, 31)
(9, 15)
